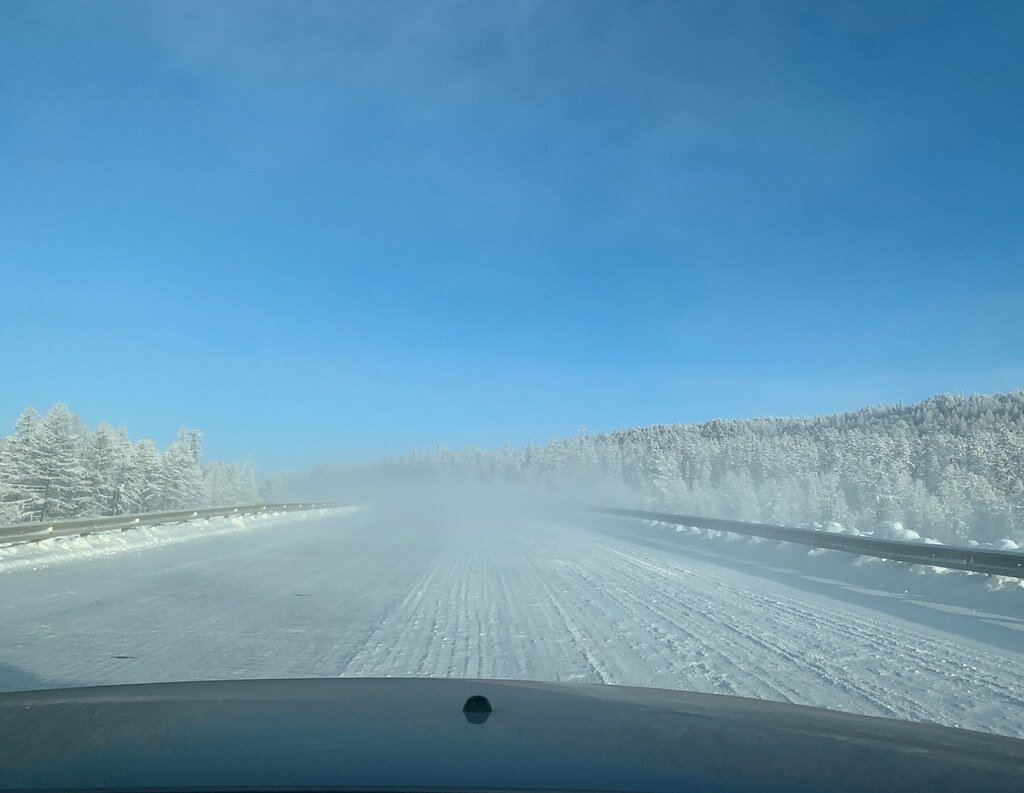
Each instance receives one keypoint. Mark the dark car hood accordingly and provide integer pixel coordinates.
(411, 734)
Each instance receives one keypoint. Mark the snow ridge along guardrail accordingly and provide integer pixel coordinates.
(977, 560)
(41, 530)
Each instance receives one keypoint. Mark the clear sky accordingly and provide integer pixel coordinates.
(329, 231)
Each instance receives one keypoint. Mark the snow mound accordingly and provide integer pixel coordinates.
(894, 530)
(838, 528)
(1004, 544)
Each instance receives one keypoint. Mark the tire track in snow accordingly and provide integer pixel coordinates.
(738, 641)
(378, 652)
(808, 642)
(439, 628)
(581, 638)
(603, 610)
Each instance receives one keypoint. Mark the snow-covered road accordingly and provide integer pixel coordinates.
(364, 595)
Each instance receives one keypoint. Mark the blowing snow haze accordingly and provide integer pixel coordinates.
(644, 345)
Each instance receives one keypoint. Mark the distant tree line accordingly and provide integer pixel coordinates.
(951, 467)
(53, 467)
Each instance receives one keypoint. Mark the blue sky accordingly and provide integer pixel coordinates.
(330, 231)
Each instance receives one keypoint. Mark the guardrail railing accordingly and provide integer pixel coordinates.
(977, 560)
(41, 530)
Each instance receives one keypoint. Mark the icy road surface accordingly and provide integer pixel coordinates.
(356, 595)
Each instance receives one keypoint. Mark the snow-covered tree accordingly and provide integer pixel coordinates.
(21, 469)
(61, 438)
(143, 487)
(102, 468)
(248, 487)
(182, 479)
(54, 467)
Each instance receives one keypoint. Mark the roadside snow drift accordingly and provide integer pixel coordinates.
(60, 550)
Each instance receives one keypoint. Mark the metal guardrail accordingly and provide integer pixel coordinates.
(977, 560)
(41, 530)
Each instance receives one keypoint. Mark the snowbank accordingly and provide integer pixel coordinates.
(61, 550)
(959, 588)
(894, 530)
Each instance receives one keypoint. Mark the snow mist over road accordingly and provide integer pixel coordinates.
(498, 592)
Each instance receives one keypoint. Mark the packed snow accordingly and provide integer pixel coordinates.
(361, 592)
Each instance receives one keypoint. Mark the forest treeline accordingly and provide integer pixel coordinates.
(951, 468)
(53, 466)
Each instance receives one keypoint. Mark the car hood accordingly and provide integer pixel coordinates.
(412, 734)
